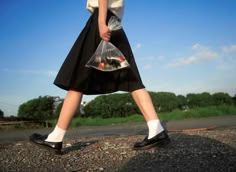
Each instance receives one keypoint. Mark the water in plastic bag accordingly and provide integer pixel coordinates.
(107, 57)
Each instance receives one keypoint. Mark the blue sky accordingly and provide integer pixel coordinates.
(181, 46)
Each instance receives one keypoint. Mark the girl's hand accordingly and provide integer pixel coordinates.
(104, 32)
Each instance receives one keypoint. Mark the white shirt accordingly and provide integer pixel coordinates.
(115, 6)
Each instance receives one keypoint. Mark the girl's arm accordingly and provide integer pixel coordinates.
(104, 31)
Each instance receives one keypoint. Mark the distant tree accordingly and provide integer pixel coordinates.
(182, 102)
(199, 100)
(1, 114)
(58, 109)
(222, 99)
(155, 100)
(205, 99)
(121, 105)
(40, 108)
(166, 101)
(113, 105)
(234, 99)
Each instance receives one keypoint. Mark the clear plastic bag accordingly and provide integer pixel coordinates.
(107, 57)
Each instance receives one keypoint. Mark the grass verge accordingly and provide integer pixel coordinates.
(98, 121)
(175, 115)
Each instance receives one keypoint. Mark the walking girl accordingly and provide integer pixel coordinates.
(77, 79)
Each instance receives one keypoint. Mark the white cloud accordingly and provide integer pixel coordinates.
(227, 65)
(229, 49)
(51, 73)
(147, 66)
(139, 45)
(48, 73)
(201, 53)
(136, 47)
(198, 47)
(228, 61)
(161, 58)
(152, 59)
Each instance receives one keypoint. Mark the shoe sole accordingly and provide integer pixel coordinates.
(158, 144)
(54, 151)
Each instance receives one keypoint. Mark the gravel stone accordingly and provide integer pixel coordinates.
(211, 150)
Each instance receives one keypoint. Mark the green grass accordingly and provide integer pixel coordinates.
(175, 115)
(199, 113)
(98, 121)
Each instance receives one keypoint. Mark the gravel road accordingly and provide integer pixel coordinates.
(210, 150)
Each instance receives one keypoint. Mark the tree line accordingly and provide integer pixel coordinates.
(1, 113)
(122, 104)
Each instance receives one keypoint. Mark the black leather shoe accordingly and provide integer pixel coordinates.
(40, 140)
(160, 139)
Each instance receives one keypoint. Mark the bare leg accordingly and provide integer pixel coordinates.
(70, 105)
(144, 102)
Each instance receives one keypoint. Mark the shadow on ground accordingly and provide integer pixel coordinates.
(185, 153)
(77, 146)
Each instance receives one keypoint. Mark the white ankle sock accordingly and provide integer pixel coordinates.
(154, 127)
(57, 135)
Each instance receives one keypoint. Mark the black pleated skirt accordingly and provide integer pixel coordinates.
(73, 75)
